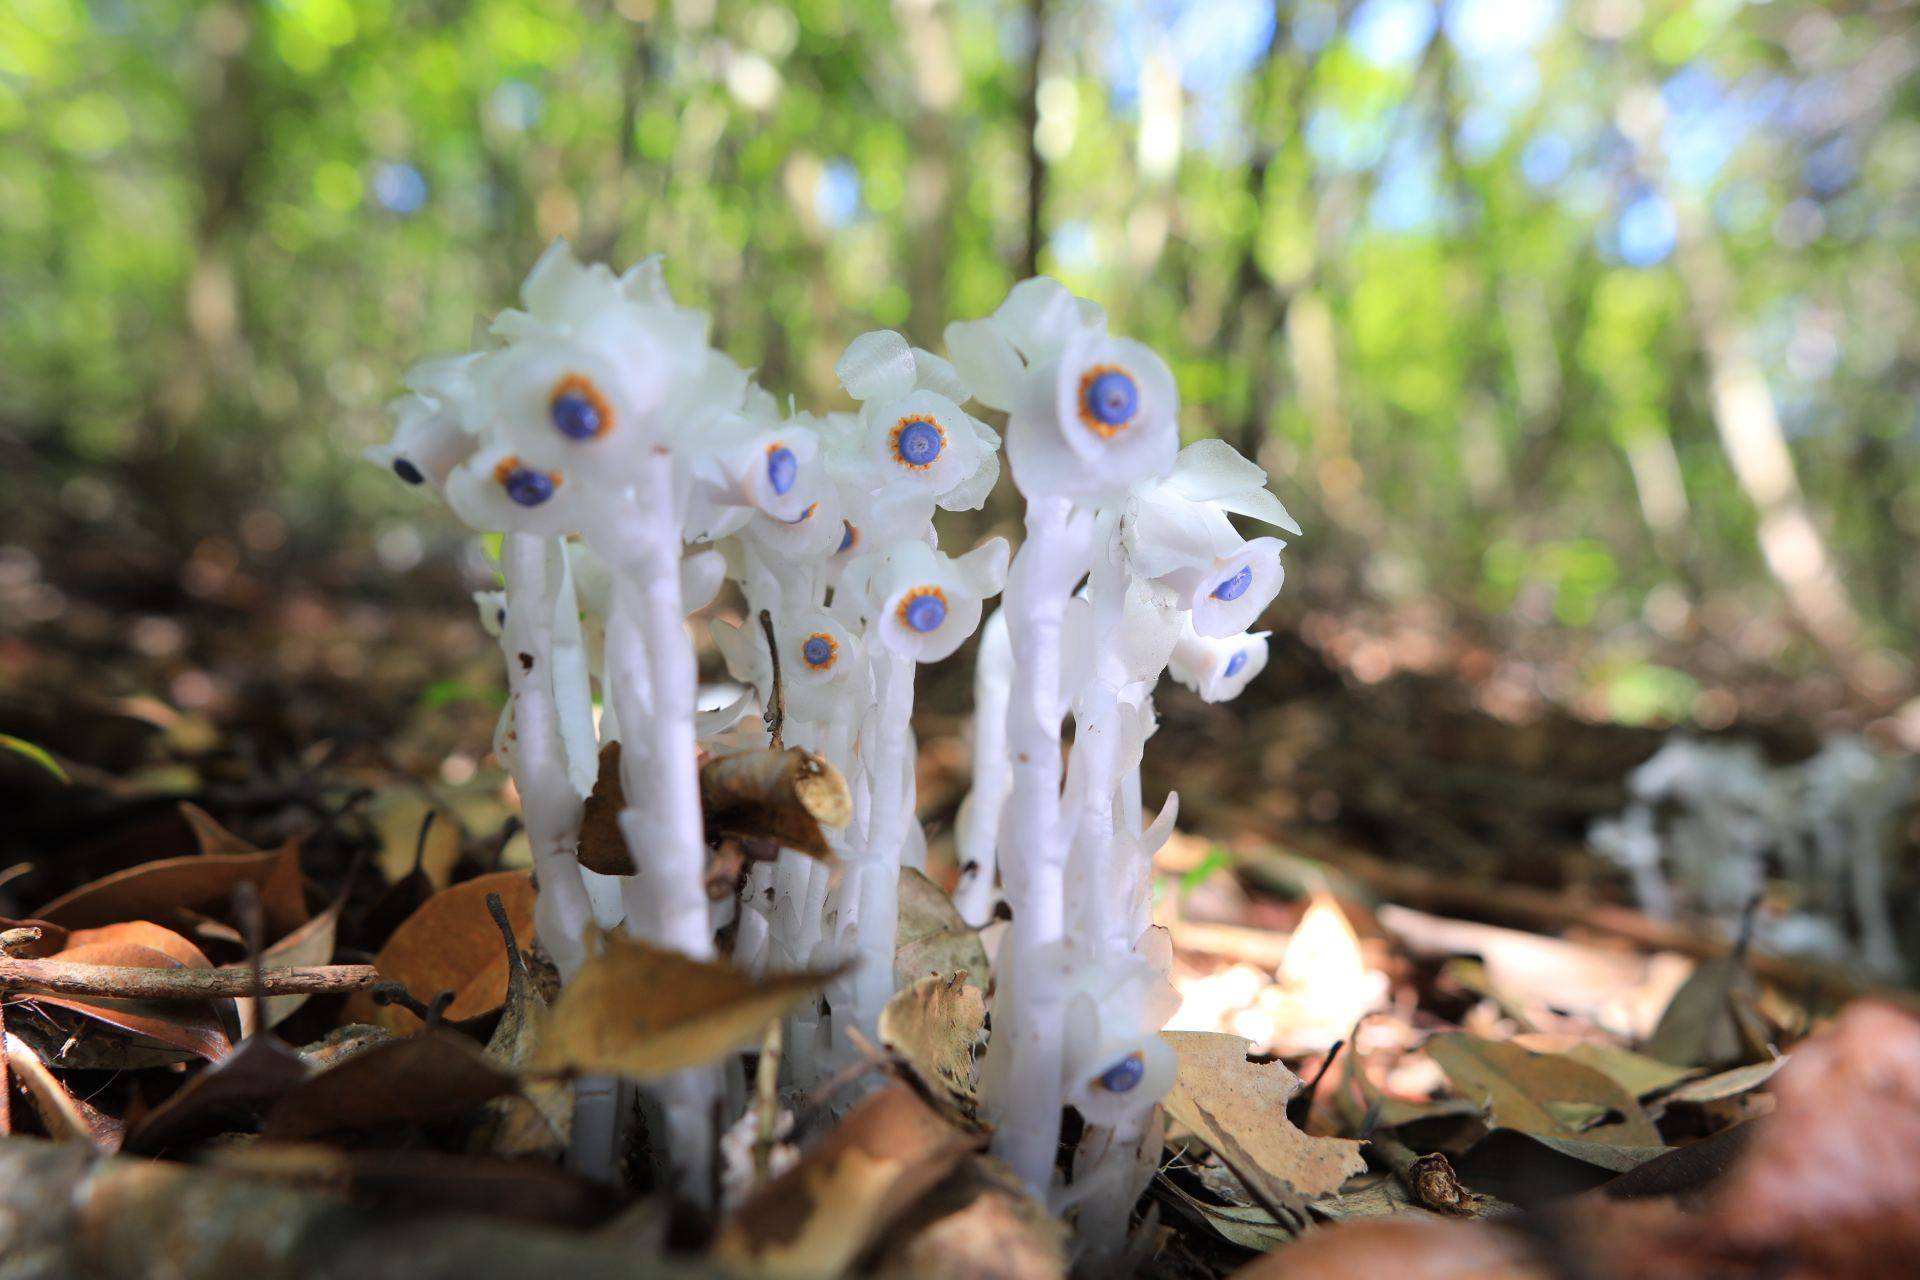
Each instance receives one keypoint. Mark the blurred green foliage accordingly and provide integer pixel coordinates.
(1465, 275)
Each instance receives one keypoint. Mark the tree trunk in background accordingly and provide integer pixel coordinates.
(1744, 413)
(1030, 121)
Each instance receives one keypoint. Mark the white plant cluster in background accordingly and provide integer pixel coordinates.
(1709, 823)
(633, 468)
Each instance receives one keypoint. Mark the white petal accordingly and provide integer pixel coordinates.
(876, 365)
(1210, 469)
(984, 568)
(987, 362)
(1261, 505)
(700, 577)
(937, 374)
(1038, 316)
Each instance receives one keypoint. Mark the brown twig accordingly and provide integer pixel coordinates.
(776, 714)
(110, 981)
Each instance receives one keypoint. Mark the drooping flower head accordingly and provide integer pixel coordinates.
(925, 604)
(916, 437)
(1090, 414)
(1218, 668)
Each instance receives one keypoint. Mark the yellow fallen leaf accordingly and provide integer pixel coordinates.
(934, 1025)
(642, 1012)
(1239, 1109)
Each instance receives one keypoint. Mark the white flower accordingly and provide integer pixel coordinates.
(429, 441)
(750, 463)
(1090, 414)
(926, 603)
(914, 433)
(1218, 668)
(498, 491)
(821, 667)
(1116, 1064)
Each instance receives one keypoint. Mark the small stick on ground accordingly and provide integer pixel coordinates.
(776, 715)
(66, 978)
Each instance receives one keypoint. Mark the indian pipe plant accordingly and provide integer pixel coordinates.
(632, 469)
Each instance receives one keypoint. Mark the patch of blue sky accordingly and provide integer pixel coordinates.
(1213, 44)
(399, 188)
(1499, 30)
(1074, 246)
(1392, 33)
(1546, 158)
(1644, 233)
(1339, 141)
(836, 197)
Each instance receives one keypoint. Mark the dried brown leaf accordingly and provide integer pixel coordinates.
(934, 1025)
(932, 938)
(434, 1075)
(819, 1217)
(451, 944)
(1541, 1094)
(980, 1223)
(66, 1117)
(198, 881)
(228, 1094)
(642, 1012)
(1239, 1108)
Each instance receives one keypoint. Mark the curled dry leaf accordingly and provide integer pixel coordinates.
(819, 1217)
(540, 1120)
(933, 1025)
(229, 1094)
(788, 796)
(434, 1075)
(451, 944)
(157, 1031)
(199, 881)
(66, 1117)
(1239, 1109)
(210, 835)
(932, 937)
(642, 1012)
(1547, 1095)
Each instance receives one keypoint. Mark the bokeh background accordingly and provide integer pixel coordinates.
(1580, 334)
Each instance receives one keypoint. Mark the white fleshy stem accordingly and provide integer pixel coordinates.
(877, 864)
(978, 834)
(550, 806)
(1033, 853)
(1111, 1171)
(1099, 912)
(666, 897)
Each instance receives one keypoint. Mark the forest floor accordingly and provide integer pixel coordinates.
(1471, 1055)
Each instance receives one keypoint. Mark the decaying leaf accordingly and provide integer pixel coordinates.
(1413, 1248)
(933, 1025)
(432, 1075)
(1239, 1109)
(978, 1224)
(819, 1217)
(785, 796)
(451, 944)
(1726, 1084)
(788, 796)
(1542, 1094)
(65, 1116)
(540, 1120)
(1638, 1074)
(210, 835)
(155, 1031)
(228, 1094)
(199, 881)
(311, 944)
(641, 1012)
(1713, 1020)
(932, 937)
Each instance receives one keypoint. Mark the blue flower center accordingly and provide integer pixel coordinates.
(918, 443)
(926, 613)
(576, 416)
(847, 537)
(1125, 1075)
(818, 651)
(1112, 398)
(1233, 588)
(407, 471)
(782, 466)
(1236, 664)
(528, 487)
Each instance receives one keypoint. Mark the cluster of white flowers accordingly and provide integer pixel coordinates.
(1113, 503)
(633, 469)
(1709, 823)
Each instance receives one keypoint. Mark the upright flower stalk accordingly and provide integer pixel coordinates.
(603, 436)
